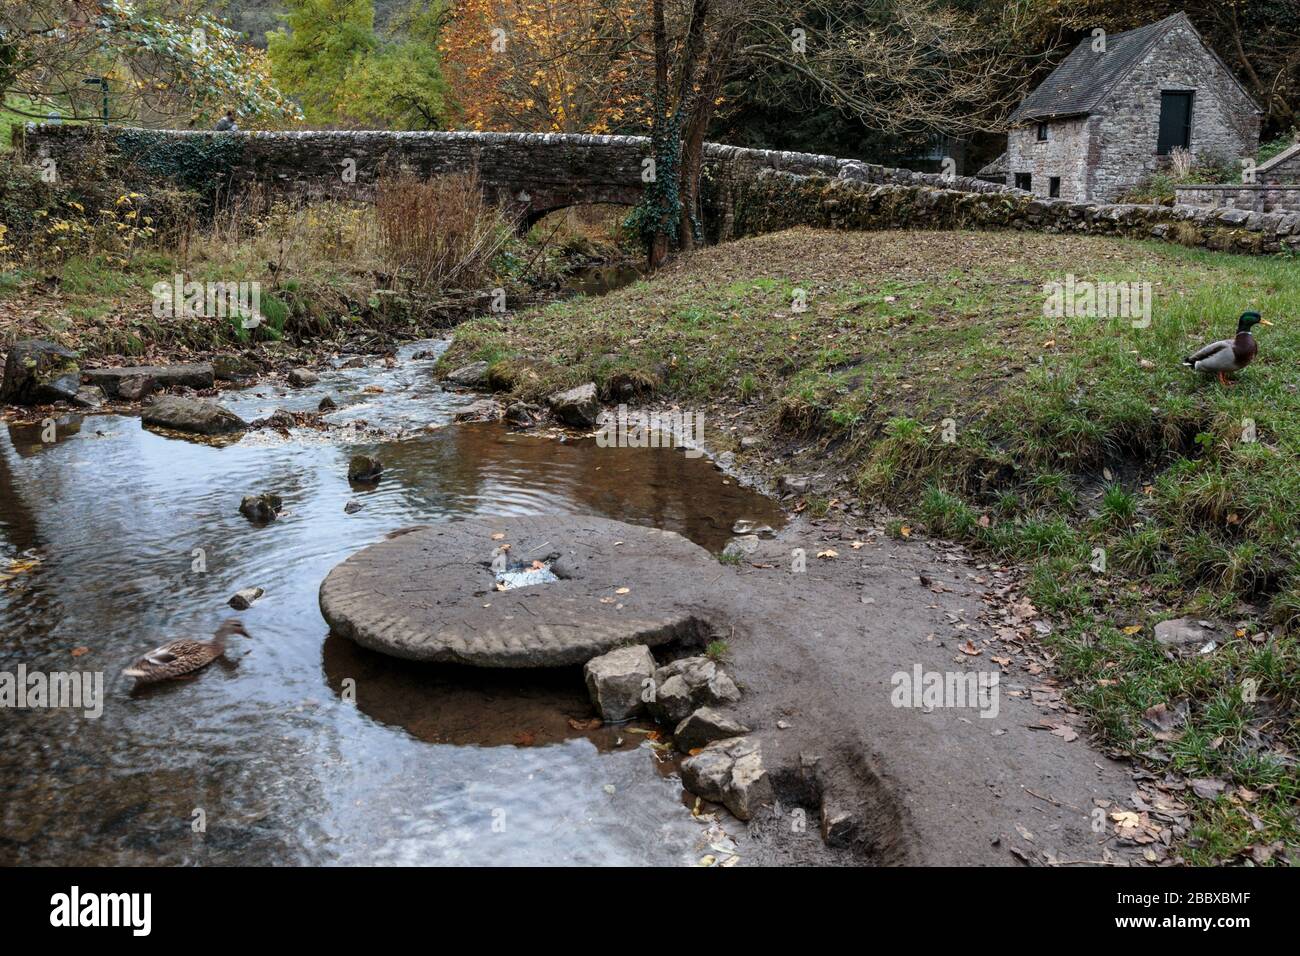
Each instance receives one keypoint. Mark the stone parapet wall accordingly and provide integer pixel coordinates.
(772, 201)
(1258, 198)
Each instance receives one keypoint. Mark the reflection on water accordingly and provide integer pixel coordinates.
(303, 748)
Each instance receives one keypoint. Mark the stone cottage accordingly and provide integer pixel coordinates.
(1118, 105)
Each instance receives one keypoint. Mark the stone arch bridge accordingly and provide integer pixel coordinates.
(534, 173)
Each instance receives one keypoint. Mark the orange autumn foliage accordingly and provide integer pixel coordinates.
(544, 65)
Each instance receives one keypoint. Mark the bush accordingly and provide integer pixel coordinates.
(439, 233)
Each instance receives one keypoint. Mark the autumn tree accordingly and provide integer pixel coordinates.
(545, 65)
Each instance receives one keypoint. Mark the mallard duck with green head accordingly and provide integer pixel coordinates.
(1229, 355)
(182, 657)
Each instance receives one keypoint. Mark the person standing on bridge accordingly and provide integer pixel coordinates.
(227, 123)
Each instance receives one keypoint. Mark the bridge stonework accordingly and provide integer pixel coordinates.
(744, 191)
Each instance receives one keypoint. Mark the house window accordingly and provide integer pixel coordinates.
(1024, 181)
(1042, 132)
(1054, 187)
(1175, 121)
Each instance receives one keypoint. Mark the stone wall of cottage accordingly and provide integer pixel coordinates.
(1225, 122)
(1063, 154)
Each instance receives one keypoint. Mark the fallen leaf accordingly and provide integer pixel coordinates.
(622, 590)
(498, 536)
(969, 649)
(78, 651)
(828, 553)
(1132, 628)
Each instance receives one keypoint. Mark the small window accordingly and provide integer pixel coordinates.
(1024, 181)
(1042, 132)
(1175, 121)
(1054, 187)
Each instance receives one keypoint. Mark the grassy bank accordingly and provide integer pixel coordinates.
(924, 372)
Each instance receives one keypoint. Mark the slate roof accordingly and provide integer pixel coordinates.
(1084, 79)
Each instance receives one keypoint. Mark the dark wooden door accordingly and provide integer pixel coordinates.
(1175, 121)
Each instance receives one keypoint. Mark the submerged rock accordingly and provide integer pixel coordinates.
(730, 772)
(327, 404)
(193, 415)
(364, 468)
(617, 680)
(577, 407)
(38, 372)
(261, 509)
(245, 598)
(352, 507)
(703, 727)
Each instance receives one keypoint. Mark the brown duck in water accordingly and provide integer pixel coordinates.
(182, 657)
(1229, 355)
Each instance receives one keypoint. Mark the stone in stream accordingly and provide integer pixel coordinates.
(89, 396)
(327, 404)
(703, 727)
(577, 407)
(197, 376)
(193, 415)
(729, 772)
(303, 378)
(523, 414)
(132, 388)
(261, 509)
(617, 680)
(430, 595)
(352, 507)
(473, 375)
(39, 372)
(246, 598)
(484, 410)
(364, 468)
(686, 684)
(234, 368)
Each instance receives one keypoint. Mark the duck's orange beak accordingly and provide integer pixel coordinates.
(1265, 322)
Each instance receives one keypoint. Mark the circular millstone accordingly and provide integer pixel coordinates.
(431, 594)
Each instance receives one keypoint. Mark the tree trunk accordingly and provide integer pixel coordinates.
(693, 141)
(659, 243)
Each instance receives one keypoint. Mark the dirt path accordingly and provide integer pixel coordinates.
(817, 651)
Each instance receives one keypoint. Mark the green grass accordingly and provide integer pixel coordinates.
(926, 370)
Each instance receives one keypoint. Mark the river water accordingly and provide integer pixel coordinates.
(114, 539)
